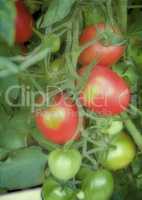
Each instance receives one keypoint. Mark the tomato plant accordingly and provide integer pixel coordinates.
(24, 23)
(71, 96)
(64, 164)
(105, 92)
(98, 185)
(59, 123)
(121, 154)
(104, 51)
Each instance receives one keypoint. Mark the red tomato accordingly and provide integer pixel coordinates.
(104, 54)
(106, 92)
(24, 23)
(59, 122)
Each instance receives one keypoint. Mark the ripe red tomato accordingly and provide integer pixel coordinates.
(59, 122)
(24, 23)
(105, 93)
(103, 51)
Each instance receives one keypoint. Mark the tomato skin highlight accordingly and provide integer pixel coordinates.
(59, 122)
(98, 185)
(105, 93)
(64, 164)
(123, 153)
(23, 24)
(105, 55)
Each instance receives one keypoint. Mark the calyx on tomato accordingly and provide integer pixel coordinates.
(52, 190)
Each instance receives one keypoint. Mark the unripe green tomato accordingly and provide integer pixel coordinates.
(121, 153)
(64, 164)
(56, 69)
(52, 190)
(115, 127)
(52, 41)
(98, 185)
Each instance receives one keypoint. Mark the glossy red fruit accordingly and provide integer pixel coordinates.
(103, 51)
(59, 122)
(24, 23)
(105, 93)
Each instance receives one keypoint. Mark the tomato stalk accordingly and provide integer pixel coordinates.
(136, 135)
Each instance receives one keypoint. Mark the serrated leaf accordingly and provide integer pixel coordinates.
(23, 169)
(58, 10)
(7, 20)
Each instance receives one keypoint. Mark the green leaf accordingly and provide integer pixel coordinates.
(23, 169)
(7, 20)
(44, 143)
(6, 50)
(14, 132)
(93, 14)
(7, 83)
(135, 25)
(58, 10)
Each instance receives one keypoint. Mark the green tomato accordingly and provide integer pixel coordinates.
(52, 41)
(109, 125)
(98, 185)
(115, 127)
(56, 70)
(64, 164)
(52, 190)
(121, 153)
(83, 173)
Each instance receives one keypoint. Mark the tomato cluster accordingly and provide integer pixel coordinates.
(105, 93)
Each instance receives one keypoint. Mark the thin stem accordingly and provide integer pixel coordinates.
(136, 135)
(134, 6)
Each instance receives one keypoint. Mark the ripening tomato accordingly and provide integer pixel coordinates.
(121, 153)
(106, 49)
(59, 123)
(64, 163)
(98, 185)
(105, 92)
(24, 23)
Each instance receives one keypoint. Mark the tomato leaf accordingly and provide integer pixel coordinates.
(7, 20)
(15, 134)
(58, 9)
(24, 168)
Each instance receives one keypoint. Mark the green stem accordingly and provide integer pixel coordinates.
(123, 16)
(135, 109)
(136, 135)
